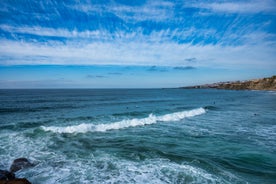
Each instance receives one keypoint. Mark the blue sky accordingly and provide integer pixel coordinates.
(129, 44)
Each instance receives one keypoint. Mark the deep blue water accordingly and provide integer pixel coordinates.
(140, 136)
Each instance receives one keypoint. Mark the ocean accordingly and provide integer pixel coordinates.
(140, 135)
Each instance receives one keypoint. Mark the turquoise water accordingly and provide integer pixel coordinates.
(140, 136)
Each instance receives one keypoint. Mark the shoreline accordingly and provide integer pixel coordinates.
(264, 84)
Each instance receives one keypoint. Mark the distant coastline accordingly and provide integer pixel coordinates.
(255, 84)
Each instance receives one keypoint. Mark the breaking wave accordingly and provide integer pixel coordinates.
(151, 119)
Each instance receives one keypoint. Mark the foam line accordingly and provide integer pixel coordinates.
(151, 119)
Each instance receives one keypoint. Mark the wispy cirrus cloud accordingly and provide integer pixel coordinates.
(52, 32)
(152, 10)
(138, 53)
(173, 34)
(129, 12)
(150, 33)
(249, 6)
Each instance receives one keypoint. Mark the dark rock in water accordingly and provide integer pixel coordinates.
(19, 164)
(6, 175)
(16, 181)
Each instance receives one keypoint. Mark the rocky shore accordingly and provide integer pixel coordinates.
(9, 177)
(256, 84)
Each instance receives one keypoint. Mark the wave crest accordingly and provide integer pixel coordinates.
(151, 119)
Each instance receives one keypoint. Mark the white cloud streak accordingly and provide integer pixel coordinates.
(151, 10)
(134, 47)
(252, 6)
(165, 35)
(139, 53)
(244, 35)
(44, 31)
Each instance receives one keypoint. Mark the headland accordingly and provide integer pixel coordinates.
(254, 84)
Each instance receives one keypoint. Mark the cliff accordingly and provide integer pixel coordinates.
(256, 84)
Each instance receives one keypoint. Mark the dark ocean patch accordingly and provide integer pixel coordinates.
(16, 110)
(131, 113)
(79, 118)
(184, 108)
(125, 103)
(26, 125)
(7, 110)
(210, 107)
(9, 127)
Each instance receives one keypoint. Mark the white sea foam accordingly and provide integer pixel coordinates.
(109, 169)
(151, 119)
